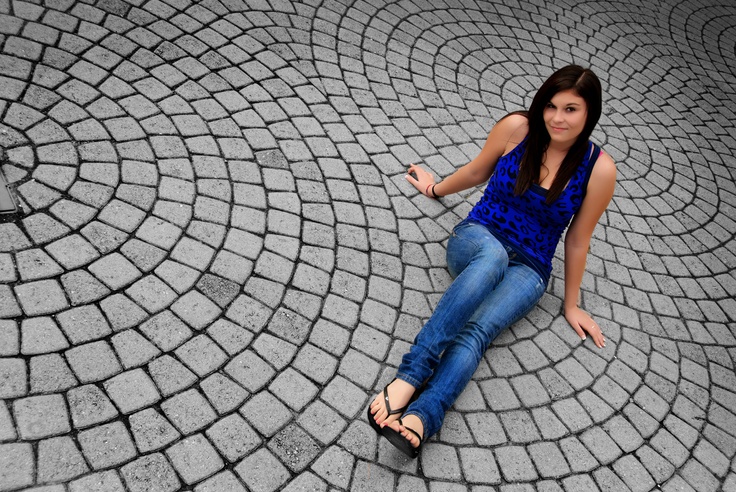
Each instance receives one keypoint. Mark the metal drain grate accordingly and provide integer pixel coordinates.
(7, 205)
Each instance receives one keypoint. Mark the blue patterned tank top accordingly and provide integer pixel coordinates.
(526, 222)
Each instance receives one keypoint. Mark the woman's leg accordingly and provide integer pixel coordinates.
(514, 297)
(477, 261)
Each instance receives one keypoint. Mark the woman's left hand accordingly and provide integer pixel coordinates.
(582, 323)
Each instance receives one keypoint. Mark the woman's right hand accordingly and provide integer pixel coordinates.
(423, 181)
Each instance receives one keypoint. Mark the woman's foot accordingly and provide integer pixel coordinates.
(394, 399)
(409, 422)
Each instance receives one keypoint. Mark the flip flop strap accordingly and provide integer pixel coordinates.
(412, 431)
(388, 405)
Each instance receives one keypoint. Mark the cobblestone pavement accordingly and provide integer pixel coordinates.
(218, 262)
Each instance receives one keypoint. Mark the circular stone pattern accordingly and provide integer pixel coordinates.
(217, 262)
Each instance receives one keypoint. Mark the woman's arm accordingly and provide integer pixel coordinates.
(577, 240)
(509, 131)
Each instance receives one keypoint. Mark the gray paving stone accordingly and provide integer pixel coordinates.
(143, 255)
(72, 251)
(294, 447)
(572, 414)
(192, 253)
(220, 290)
(250, 371)
(677, 483)
(121, 312)
(289, 326)
(265, 413)
(201, 355)
(41, 297)
(166, 330)
(196, 310)
(151, 472)
(98, 482)
(107, 445)
(515, 463)
(321, 422)
(358, 368)
(262, 472)
(479, 466)
(343, 396)
(633, 473)
(577, 483)
(102, 236)
(133, 349)
(49, 373)
(7, 428)
(231, 337)
(223, 394)
(625, 435)
(578, 457)
(188, 411)
(34, 264)
(549, 460)
(7, 268)
(194, 458)
(499, 394)
(519, 426)
(233, 437)
(179, 277)
(132, 390)
(151, 293)
(608, 480)
(486, 428)
(38, 417)
(151, 431)
(41, 335)
(83, 288)
(43, 229)
(332, 466)
(59, 460)
(88, 405)
(9, 338)
(93, 362)
(83, 324)
(293, 389)
(658, 467)
(170, 375)
(225, 481)
(18, 465)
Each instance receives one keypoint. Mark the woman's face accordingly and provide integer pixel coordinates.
(565, 116)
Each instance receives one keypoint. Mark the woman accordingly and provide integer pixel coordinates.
(544, 174)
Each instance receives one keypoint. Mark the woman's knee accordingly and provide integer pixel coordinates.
(473, 245)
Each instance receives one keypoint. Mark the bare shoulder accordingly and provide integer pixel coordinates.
(604, 169)
(512, 130)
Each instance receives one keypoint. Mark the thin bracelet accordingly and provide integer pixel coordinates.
(435, 195)
(426, 191)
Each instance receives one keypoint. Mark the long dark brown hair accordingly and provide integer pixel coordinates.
(585, 84)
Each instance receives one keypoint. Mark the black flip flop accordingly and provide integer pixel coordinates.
(401, 410)
(400, 442)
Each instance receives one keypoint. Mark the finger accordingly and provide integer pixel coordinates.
(579, 330)
(597, 334)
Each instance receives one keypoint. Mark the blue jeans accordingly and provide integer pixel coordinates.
(490, 291)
